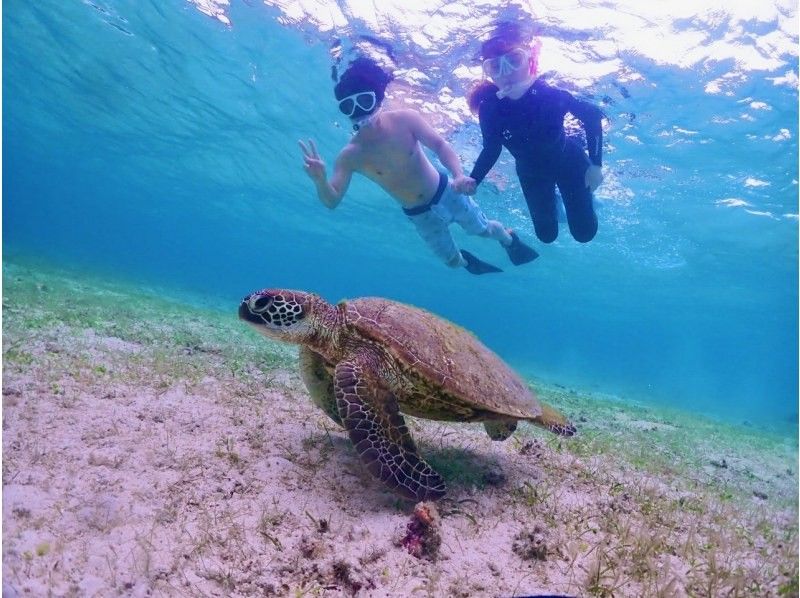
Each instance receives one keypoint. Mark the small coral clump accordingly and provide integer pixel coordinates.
(423, 537)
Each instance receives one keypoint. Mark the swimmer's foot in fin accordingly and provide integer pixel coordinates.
(518, 252)
(476, 266)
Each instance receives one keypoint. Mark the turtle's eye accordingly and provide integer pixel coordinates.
(260, 304)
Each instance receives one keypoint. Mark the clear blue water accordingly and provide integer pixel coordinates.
(151, 142)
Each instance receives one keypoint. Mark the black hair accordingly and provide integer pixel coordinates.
(363, 74)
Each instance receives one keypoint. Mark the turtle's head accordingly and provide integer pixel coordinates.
(282, 314)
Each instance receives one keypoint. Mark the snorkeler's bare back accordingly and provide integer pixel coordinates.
(388, 152)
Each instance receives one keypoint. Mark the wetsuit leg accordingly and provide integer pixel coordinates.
(577, 198)
(540, 195)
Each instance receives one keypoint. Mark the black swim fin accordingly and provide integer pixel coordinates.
(518, 252)
(476, 266)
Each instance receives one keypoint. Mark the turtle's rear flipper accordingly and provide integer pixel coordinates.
(500, 430)
(373, 421)
(477, 266)
(553, 420)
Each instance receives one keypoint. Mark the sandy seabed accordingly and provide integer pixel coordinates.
(155, 448)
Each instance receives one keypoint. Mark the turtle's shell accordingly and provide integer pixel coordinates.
(442, 354)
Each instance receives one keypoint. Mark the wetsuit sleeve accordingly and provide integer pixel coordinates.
(591, 117)
(492, 146)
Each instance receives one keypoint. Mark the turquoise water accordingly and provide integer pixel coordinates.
(151, 142)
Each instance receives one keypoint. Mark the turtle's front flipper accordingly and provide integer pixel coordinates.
(371, 417)
(553, 420)
(319, 382)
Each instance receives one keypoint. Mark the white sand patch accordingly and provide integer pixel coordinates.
(111, 343)
(642, 424)
(192, 489)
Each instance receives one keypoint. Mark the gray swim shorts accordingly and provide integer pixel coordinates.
(433, 219)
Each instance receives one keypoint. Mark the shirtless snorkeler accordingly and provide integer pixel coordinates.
(387, 148)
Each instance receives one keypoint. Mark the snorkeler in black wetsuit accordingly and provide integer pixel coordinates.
(527, 117)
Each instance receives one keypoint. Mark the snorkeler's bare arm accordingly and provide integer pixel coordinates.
(428, 137)
(331, 191)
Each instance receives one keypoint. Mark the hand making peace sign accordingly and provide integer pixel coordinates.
(314, 166)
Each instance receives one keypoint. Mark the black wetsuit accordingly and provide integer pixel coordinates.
(532, 128)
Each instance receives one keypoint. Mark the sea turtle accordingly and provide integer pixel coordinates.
(364, 361)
